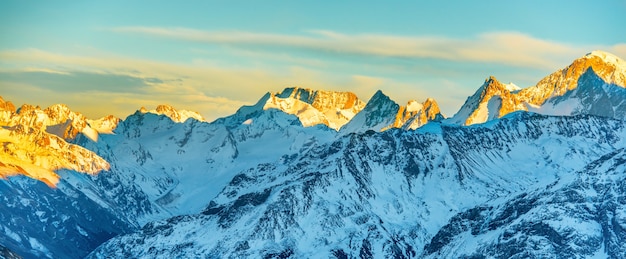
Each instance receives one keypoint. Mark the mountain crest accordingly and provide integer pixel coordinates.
(175, 115)
(416, 114)
(608, 58)
(331, 108)
(36, 142)
(556, 94)
(492, 86)
(492, 100)
(432, 110)
(607, 66)
(6, 105)
(381, 113)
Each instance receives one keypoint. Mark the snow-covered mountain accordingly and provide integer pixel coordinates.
(592, 84)
(34, 143)
(320, 174)
(580, 215)
(313, 107)
(608, 67)
(491, 101)
(379, 194)
(381, 113)
(162, 168)
(174, 114)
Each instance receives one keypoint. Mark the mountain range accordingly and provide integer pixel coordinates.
(516, 172)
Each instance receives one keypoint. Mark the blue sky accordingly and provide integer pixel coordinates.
(112, 57)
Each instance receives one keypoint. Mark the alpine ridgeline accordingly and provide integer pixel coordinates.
(320, 174)
(593, 84)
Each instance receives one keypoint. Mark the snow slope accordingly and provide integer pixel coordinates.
(581, 214)
(357, 196)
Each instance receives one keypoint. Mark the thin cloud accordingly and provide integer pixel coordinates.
(508, 48)
(212, 91)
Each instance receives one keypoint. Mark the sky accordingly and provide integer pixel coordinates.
(113, 57)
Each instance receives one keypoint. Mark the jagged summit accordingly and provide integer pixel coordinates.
(35, 142)
(175, 115)
(382, 113)
(379, 113)
(342, 111)
(608, 67)
(415, 117)
(331, 108)
(555, 94)
(321, 99)
(57, 119)
(272, 188)
(492, 100)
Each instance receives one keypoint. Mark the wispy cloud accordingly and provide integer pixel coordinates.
(131, 83)
(125, 84)
(215, 90)
(508, 48)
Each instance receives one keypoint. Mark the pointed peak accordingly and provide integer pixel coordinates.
(492, 84)
(430, 102)
(491, 79)
(432, 109)
(378, 95)
(379, 99)
(6, 105)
